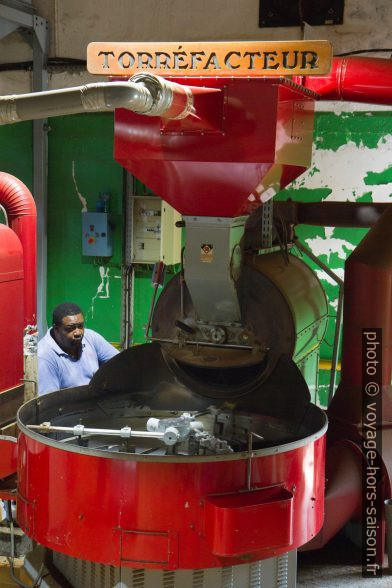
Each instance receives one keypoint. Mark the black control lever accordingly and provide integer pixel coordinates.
(185, 327)
(157, 279)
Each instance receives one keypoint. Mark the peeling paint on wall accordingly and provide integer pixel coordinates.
(367, 197)
(80, 196)
(351, 161)
(325, 247)
(299, 190)
(379, 178)
(333, 131)
(345, 174)
(322, 275)
(102, 290)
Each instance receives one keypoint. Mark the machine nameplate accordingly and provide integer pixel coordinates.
(240, 58)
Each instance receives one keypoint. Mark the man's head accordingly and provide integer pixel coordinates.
(68, 326)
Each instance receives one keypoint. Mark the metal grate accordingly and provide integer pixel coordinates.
(75, 566)
(198, 579)
(282, 571)
(266, 224)
(102, 575)
(255, 575)
(112, 575)
(93, 577)
(138, 578)
(169, 579)
(84, 568)
(270, 573)
(227, 578)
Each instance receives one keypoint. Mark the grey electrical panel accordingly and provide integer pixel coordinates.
(96, 234)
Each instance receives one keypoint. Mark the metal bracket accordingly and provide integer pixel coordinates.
(251, 435)
(13, 15)
(6, 28)
(41, 28)
(339, 315)
(266, 224)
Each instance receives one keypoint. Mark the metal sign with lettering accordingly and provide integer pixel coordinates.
(255, 58)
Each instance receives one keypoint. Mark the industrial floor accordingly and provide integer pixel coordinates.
(5, 578)
(338, 565)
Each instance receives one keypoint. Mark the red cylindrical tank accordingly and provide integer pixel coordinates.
(171, 513)
(11, 309)
(20, 206)
(133, 502)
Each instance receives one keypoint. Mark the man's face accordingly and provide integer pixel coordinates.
(70, 333)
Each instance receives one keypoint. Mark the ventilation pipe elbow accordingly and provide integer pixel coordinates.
(170, 100)
(143, 93)
(89, 98)
(19, 205)
(355, 79)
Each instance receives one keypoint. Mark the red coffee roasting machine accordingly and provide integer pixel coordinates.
(199, 457)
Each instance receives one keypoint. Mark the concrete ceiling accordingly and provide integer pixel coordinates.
(75, 23)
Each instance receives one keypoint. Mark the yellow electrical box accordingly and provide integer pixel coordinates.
(154, 234)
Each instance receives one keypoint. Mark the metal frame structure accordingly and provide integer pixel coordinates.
(20, 14)
(339, 315)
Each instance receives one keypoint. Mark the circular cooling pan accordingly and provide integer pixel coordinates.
(145, 508)
(166, 511)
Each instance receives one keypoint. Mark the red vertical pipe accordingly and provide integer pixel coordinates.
(368, 301)
(367, 305)
(356, 79)
(20, 207)
(343, 494)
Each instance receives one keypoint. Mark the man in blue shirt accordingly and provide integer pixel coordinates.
(69, 355)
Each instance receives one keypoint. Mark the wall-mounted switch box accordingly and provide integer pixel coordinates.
(154, 234)
(96, 234)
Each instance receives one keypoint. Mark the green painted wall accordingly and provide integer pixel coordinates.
(15, 153)
(81, 166)
(16, 144)
(80, 160)
(351, 162)
(143, 292)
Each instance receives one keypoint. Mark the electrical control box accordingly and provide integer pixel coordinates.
(154, 234)
(96, 234)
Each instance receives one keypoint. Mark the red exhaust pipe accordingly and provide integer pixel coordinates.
(21, 211)
(343, 495)
(367, 289)
(355, 79)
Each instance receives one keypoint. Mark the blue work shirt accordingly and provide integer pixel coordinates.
(57, 369)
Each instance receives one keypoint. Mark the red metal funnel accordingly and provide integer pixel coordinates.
(253, 136)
